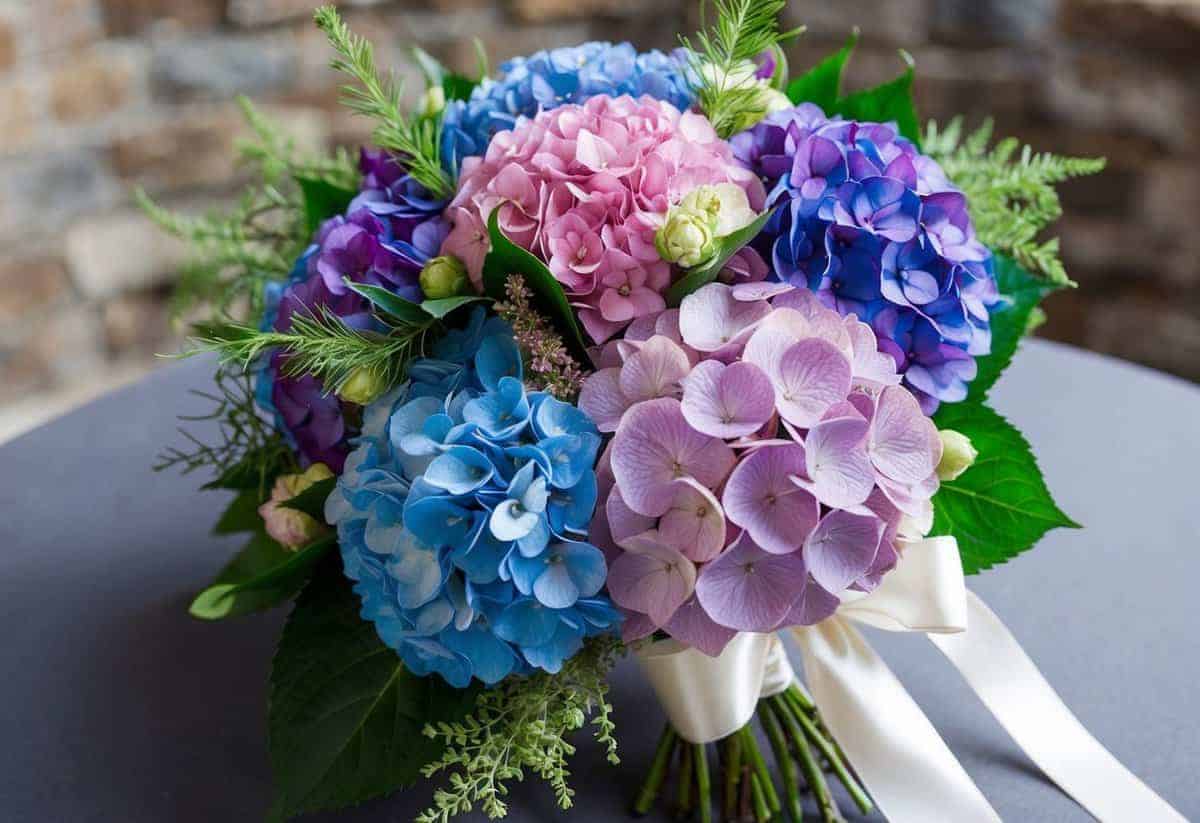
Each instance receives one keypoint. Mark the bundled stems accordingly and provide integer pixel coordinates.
(800, 744)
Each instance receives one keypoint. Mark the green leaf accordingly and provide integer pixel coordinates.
(241, 515)
(822, 84)
(405, 311)
(255, 471)
(262, 575)
(727, 247)
(885, 103)
(322, 200)
(1000, 506)
(505, 258)
(458, 87)
(311, 501)
(444, 305)
(1009, 323)
(345, 716)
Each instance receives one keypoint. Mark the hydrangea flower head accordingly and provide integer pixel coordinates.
(547, 79)
(385, 237)
(585, 188)
(765, 460)
(461, 516)
(876, 229)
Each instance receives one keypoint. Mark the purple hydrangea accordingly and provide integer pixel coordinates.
(876, 229)
(384, 238)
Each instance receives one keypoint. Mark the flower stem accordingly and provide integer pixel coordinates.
(760, 770)
(761, 813)
(787, 767)
(833, 754)
(683, 793)
(733, 774)
(703, 787)
(808, 763)
(653, 783)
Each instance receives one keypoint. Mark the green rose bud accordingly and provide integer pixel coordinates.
(686, 238)
(362, 387)
(444, 276)
(957, 454)
(432, 101)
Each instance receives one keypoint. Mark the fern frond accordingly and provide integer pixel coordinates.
(1010, 189)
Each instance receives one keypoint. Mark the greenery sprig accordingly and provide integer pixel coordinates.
(378, 96)
(743, 30)
(321, 345)
(523, 724)
(1011, 191)
(235, 253)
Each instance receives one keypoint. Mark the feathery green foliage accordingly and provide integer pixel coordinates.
(522, 724)
(743, 30)
(378, 96)
(235, 253)
(1011, 191)
(322, 345)
(244, 438)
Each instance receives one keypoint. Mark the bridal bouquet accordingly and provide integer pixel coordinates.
(614, 352)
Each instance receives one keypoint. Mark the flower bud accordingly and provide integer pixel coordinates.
(957, 454)
(361, 387)
(290, 528)
(444, 276)
(686, 238)
(432, 101)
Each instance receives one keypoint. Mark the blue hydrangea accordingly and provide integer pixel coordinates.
(551, 78)
(462, 514)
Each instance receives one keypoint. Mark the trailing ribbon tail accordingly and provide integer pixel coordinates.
(1010, 685)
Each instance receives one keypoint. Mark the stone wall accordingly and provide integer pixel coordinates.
(98, 96)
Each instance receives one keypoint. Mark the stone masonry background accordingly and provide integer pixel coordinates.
(98, 96)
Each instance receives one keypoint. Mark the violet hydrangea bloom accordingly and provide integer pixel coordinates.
(585, 187)
(387, 233)
(766, 459)
(877, 230)
(547, 79)
(462, 513)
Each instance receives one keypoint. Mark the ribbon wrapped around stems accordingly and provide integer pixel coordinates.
(896, 752)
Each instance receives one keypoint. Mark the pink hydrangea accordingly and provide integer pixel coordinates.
(585, 187)
(766, 460)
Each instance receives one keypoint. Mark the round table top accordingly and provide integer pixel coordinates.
(120, 707)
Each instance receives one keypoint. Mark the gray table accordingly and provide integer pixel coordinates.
(117, 706)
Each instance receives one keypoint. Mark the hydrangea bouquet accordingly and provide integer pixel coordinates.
(616, 352)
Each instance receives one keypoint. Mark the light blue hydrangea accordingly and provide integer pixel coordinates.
(462, 514)
(548, 79)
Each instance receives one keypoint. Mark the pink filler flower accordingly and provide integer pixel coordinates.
(585, 187)
(714, 522)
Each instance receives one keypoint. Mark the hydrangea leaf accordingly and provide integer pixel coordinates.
(311, 501)
(506, 258)
(999, 507)
(442, 306)
(346, 718)
(255, 471)
(822, 84)
(727, 247)
(322, 200)
(260, 576)
(406, 311)
(1022, 291)
(241, 515)
(892, 101)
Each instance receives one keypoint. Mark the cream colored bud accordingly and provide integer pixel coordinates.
(444, 276)
(686, 238)
(957, 454)
(291, 528)
(362, 387)
(432, 101)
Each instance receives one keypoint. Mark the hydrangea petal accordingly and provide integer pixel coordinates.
(654, 370)
(748, 589)
(692, 625)
(711, 317)
(903, 442)
(654, 446)
(761, 498)
(842, 549)
(837, 462)
(814, 605)
(653, 579)
(727, 401)
(602, 400)
(459, 470)
(624, 522)
(812, 375)
(695, 523)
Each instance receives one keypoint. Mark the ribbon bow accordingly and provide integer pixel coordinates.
(896, 752)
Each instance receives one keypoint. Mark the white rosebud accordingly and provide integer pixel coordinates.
(686, 238)
(957, 454)
(432, 101)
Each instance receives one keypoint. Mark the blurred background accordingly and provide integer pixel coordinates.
(99, 96)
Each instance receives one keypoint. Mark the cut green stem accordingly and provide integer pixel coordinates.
(762, 814)
(653, 783)
(733, 774)
(833, 754)
(808, 762)
(783, 760)
(683, 793)
(703, 787)
(759, 766)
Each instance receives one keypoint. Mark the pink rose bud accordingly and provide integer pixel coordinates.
(290, 528)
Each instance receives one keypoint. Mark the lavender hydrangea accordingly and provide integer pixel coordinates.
(876, 229)
(547, 79)
(384, 238)
(461, 516)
